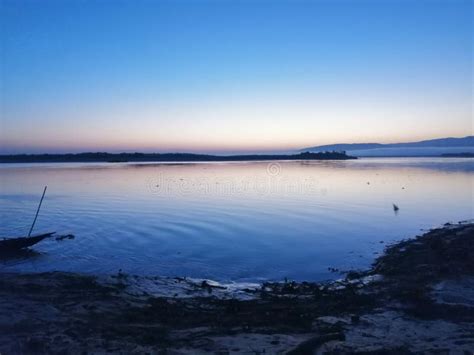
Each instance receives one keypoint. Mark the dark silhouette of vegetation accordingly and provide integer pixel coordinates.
(166, 157)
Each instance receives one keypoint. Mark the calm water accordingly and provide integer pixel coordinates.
(229, 221)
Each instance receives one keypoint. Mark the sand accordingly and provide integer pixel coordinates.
(417, 297)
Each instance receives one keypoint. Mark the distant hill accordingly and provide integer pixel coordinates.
(432, 147)
(342, 146)
(441, 142)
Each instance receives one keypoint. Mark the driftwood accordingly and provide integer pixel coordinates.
(66, 236)
(13, 244)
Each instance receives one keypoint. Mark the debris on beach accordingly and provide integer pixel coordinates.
(416, 298)
(11, 245)
(66, 236)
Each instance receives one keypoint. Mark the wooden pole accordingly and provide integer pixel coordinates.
(37, 211)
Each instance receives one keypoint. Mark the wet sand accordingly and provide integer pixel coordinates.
(417, 297)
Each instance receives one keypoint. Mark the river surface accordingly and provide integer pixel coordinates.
(240, 221)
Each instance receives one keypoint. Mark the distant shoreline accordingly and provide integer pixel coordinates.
(458, 155)
(163, 157)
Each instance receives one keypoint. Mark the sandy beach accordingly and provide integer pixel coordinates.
(417, 297)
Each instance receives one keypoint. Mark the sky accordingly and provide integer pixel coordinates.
(227, 76)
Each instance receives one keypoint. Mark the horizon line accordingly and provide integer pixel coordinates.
(224, 151)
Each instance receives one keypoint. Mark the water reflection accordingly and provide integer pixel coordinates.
(10, 258)
(239, 221)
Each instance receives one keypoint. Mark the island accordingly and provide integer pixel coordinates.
(97, 157)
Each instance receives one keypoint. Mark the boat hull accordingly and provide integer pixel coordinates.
(12, 244)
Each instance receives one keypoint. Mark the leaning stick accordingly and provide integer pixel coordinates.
(37, 211)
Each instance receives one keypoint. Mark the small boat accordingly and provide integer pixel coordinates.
(13, 244)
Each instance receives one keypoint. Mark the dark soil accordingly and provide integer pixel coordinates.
(60, 313)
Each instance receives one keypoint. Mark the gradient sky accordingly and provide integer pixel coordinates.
(226, 76)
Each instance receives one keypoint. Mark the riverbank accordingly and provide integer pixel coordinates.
(417, 297)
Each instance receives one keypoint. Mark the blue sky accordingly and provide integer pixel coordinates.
(227, 76)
